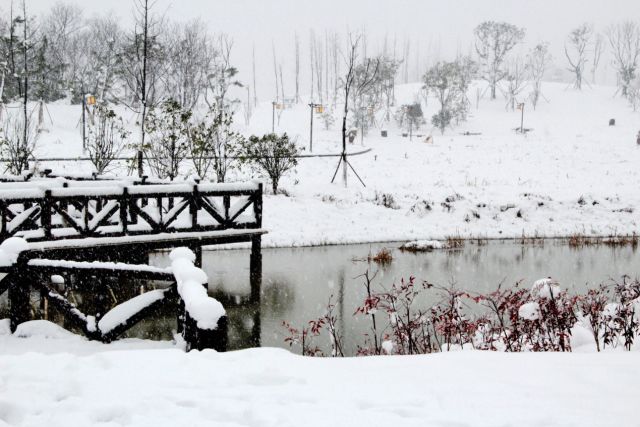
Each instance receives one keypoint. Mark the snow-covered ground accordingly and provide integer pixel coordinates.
(573, 173)
(54, 378)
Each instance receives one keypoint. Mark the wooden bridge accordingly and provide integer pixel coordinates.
(108, 229)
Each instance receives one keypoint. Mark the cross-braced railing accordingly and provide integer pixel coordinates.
(108, 210)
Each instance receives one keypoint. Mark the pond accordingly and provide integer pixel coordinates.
(298, 283)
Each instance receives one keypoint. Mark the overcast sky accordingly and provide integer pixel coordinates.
(444, 26)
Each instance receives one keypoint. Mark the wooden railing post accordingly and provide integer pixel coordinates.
(193, 207)
(124, 205)
(19, 295)
(226, 201)
(45, 214)
(257, 206)
(255, 268)
(5, 218)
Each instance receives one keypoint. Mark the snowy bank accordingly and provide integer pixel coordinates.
(91, 385)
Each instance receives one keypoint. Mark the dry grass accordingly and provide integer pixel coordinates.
(531, 240)
(455, 242)
(579, 240)
(616, 241)
(383, 257)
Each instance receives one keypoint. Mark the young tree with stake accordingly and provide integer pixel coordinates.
(354, 84)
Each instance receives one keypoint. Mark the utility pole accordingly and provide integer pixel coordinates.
(312, 107)
(521, 108)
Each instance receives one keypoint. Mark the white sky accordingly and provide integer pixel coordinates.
(427, 23)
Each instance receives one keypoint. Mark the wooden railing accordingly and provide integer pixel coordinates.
(110, 209)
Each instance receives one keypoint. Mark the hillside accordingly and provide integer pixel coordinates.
(572, 173)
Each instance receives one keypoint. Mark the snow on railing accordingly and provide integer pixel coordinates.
(10, 250)
(109, 208)
(206, 311)
(121, 313)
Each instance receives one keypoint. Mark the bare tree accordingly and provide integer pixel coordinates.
(312, 49)
(142, 64)
(537, 62)
(359, 78)
(297, 54)
(275, 71)
(516, 80)
(59, 26)
(189, 61)
(494, 40)
(94, 58)
(598, 47)
(223, 75)
(253, 61)
(624, 39)
(27, 44)
(579, 40)
(318, 56)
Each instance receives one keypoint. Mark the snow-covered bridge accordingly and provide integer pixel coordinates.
(94, 227)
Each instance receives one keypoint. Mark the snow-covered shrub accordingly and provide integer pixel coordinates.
(273, 155)
(512, 319)
(548, 317)
(409, 117)
(106, 138)
(17, 145)
(213, 145)
(386, 200)
(422, 207)
(592, 306)
(621, 319)
(328, 119)
(450, 322)
(167, 128)
(410, 328)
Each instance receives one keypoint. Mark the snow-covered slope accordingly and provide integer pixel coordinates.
(573, 173)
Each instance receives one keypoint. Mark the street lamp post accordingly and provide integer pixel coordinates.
(312, 106)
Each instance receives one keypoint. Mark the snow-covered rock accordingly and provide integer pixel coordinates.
(529, 311)
(545, 288)
(424, 245)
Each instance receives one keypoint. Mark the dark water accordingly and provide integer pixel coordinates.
(298, 282)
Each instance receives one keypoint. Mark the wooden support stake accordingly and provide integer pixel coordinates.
(255, 268)
(19, 304)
